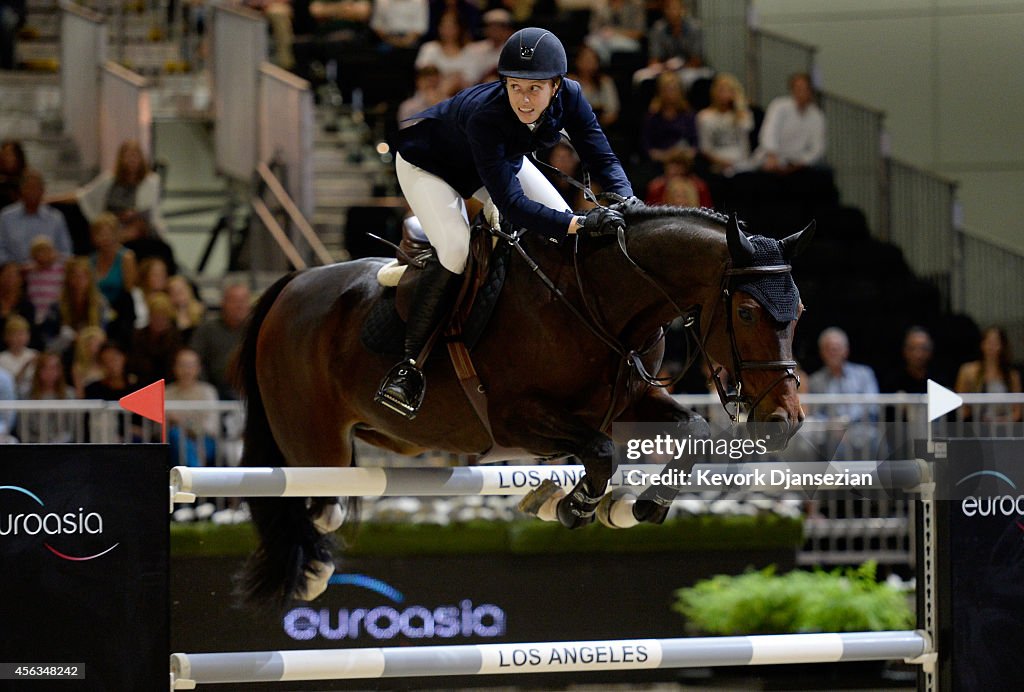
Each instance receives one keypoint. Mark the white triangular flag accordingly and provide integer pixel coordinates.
(941, 400)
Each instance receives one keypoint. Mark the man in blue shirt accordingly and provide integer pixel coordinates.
(23, 221)
(839, 376)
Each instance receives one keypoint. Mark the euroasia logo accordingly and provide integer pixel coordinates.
(52, 525)
(387, 622)
(1006, 505)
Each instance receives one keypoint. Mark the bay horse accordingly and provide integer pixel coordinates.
(553, 387)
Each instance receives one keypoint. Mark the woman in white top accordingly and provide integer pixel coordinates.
(131, 192)
(449, 55)
(723, 128)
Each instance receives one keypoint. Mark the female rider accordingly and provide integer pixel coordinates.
(474, 145)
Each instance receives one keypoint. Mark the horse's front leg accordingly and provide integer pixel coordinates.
(655, 406)
(546, 428)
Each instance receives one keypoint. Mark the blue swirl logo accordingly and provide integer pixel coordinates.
(80, 523)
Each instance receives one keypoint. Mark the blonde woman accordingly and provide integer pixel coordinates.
(48, 384)
(81, 303)
(188, 309)
(723, 128)
(85, 364)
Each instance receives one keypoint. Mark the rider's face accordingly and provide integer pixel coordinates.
(529, 97)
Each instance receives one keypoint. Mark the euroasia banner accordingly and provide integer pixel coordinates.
(83, 565)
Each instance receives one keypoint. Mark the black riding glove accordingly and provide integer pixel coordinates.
(601, 221)
(629, 204)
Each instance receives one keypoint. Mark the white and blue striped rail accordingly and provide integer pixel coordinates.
(189, 670)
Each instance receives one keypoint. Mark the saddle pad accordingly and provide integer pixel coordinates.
(384, 331)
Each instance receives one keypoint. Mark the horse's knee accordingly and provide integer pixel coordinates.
(598, 459)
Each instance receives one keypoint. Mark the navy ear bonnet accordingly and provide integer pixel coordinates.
(777, 293)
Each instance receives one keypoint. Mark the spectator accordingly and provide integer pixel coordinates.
(85, 364)
(151, 355)
(400, 23)
(43, 279)
(468, 11)
(679, 167)
(723, 128)
(598, 88)
(839, 376)
(216, 339)
(192, 435)
(29, 218)
(449, 54)
(12, 167)
(913, 375)
(498, 28)
(12, 18)
(13, 300)
(188, 310)
(7, 418)
(19, 358)
(131, 192)
(564, 158)
(793, 134)
(428, 93)
(112, 263)
(152, 276)
(992, 374)
(675, 40)
(114, 384)
(81, 303)
(670, 126)
(616, 26)
(48, 384)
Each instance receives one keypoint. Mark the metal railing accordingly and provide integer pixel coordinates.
(726, 39)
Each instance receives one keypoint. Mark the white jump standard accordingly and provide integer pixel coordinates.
(188, 670)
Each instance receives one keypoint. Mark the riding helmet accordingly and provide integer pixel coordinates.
(533, 53)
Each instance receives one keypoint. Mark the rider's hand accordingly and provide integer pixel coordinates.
(629, 204)
(601, 221)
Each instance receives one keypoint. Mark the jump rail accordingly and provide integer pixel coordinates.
(188, 670)
(188, 483)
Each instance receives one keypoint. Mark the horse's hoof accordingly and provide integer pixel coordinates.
(616, 513)
(317, 575)
(330, 518)
(649, 511)
(570, 516)
(540, 501)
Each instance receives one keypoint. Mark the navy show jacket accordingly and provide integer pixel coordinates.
(474, 139)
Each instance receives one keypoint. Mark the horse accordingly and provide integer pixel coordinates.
(561, 361)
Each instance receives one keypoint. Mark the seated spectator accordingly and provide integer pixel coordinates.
(598, 88)
(81, 303)
(216, 339)
(449, 55)
(18, 359)
(839, 376)
(563, 157)
(29, 218)
(112, 263)
(468, 11)
(48, 384)
(13, 300)
(131, 192)
(913, 374)
(428, 93)
(991, 374)
(687, 185)
(616, 26)
(400, 23)
(12, 167)
(192, 435)
(793, 134)
(151, 277)
(670, 126)
(8, 419)
(723, 128)
(114, 385)
(151, 355)
(676, 40)
(85, 364)
(188, 310)
(498, 28)
(44, 278)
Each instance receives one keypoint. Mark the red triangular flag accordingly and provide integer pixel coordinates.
(148, 402)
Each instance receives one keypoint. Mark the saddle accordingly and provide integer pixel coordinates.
(384, 329)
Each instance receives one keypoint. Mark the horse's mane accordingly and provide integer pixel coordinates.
(644, 213)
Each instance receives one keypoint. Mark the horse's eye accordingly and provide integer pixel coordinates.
(745, 314)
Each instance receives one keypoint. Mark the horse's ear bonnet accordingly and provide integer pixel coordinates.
(777, 293)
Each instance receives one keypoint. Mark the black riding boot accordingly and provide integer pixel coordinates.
(403, 388)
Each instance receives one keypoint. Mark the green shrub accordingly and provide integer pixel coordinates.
(761, 602)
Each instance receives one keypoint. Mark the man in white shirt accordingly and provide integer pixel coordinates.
(793, 134)
(400, 23)
(498, 27)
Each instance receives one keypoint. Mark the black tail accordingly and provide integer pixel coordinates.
(288, 538)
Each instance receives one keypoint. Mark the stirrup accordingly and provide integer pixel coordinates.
(402, 390)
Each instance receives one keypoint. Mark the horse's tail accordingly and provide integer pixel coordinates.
(288, 538)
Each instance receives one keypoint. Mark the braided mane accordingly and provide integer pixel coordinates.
(661, 211)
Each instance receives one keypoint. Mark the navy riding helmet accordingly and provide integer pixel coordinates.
(533, 53)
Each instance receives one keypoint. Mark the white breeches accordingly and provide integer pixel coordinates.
(442, 211)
